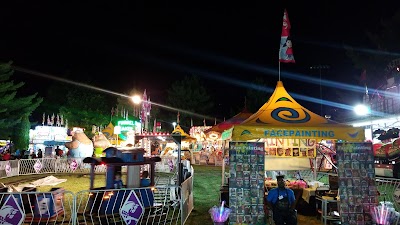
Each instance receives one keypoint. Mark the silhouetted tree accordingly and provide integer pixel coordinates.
(13, 108)
(375, 61)
(189, 94)
(257, 95)
(85, 108)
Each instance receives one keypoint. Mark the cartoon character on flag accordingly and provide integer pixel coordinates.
(286, 47)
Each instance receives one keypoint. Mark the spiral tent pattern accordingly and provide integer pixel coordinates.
(282, 117)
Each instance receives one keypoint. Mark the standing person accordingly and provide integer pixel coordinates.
(18, 154)
(282, 202)
(58, 151)
(40, 153)
(145, 181)
(117, 181)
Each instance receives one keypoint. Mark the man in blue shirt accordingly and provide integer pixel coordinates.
(145, 181)
(117, 181)
(282, 202)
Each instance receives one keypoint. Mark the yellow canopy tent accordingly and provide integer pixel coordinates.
(283, 121)
(108, 131)
(282, 117)
(185, 136)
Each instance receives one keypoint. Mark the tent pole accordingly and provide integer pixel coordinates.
(315, 168)
(279, 70)
(223, 163)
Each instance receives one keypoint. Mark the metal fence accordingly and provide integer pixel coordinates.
(187, 197)
(33, 207)
(389, 190)
(66, 165)
(165, 203)
(159, 206)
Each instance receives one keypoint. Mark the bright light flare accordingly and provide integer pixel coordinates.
(361, 110)
(136, 99)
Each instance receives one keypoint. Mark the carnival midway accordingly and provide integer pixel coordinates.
(281, 163)
(158, 173)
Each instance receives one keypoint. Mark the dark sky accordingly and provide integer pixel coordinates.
(121, 46)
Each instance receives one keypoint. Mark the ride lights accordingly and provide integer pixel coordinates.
(219, 214)
(385, 214)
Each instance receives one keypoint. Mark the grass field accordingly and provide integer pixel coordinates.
(207, 183)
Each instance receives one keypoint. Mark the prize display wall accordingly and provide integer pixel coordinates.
(246, 183)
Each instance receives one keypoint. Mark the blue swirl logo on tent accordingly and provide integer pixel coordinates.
(354, 135)
(245, 132)
(289, 118)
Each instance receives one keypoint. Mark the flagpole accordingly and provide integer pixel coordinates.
(279, 68)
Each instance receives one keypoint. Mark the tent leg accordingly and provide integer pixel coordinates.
(315, 169)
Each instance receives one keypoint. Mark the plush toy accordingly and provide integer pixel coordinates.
(100, 143)
(80, 146)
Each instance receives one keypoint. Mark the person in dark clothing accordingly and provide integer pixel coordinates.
(40, 153)
(58, 151)
(282, 202)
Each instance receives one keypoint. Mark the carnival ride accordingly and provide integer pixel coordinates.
(116, 158)
(387, 157)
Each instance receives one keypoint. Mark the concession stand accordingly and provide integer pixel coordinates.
(282, 137)
(213, 137)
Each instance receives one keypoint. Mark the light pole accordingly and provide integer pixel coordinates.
(364, 111)
(320, 68)
(174, 124)
(137, 99)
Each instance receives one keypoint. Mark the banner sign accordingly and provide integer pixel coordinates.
(244, 133)
(246, 183)
(291, 147)
(357, 190)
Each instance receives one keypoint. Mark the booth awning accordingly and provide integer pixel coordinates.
(109, 130)
(185, 136)
(282, 117)
(237, 119)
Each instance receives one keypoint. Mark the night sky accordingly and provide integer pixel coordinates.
(122, 46)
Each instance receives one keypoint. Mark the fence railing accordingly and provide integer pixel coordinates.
(159, 205)
(65, 165)
(165, 203)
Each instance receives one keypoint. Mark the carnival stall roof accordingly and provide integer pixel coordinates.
(282, 117)
(185, 136)
(217, 130)
(109, 130)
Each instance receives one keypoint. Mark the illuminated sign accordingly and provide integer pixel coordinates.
(126, 125)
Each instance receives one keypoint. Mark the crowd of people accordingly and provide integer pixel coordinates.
(28, 154)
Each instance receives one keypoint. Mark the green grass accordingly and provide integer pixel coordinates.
(75, 183)
(207, 182)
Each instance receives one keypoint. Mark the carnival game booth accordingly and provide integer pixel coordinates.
(163, 145)
(47, 138)
(288, 135)
(387, 158)
(215, 154)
